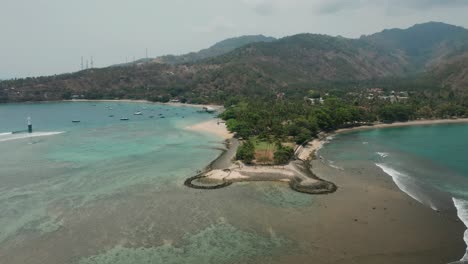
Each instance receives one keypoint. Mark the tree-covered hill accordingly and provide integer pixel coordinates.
(217, 49)
(431, 56)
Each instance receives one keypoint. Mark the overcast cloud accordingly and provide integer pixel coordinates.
(42, 37)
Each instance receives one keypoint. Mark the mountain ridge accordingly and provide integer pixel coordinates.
(292, 64)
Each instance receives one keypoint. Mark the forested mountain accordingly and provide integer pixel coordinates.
(429, 56)
(217, 49)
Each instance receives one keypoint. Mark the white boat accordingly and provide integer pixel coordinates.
(138, 113)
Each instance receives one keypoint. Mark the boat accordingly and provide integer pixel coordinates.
(124, 118)
(162, 117)
(138, 113)
(76, 121)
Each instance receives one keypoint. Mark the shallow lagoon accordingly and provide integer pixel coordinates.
(105, 190)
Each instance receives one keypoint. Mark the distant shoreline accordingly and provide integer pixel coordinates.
(423, 122)
(316, 144)
(217, 107)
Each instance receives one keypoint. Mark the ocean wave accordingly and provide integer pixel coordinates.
(331, 163)
(407, 185)
(462, 211)
(12, 136)
(383, 154)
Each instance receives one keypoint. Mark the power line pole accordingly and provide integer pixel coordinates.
(82, 65)
(92, 62)
(147, 53)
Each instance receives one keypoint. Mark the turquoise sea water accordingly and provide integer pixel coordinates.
(429, 163)
(111, 191)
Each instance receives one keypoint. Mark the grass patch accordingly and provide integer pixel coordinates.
(264, 151)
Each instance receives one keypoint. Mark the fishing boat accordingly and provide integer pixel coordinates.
(76, 121)
(124, 118)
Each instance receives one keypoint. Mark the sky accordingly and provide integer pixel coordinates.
(45, 37)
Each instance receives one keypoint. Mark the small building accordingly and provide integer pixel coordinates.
(391, 98)
(402, 98)
(403, 94)
(209, 109)
(375, 90)
(315, 101)
(280, 96)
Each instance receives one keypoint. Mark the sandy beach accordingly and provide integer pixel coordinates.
(403, 124)
(214, 126)
(311, 147)
(315, 145)
(368, 219)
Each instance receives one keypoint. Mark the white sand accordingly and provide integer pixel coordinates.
(403, 124)
(259, 173)
(213, 126)
(310, 148)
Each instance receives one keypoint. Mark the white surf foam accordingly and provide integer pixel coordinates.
(331, 163)
(407, 185)
(383, 154)
(462, 211)
(11, 136)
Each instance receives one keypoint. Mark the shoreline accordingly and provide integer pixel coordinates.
(368, 217)
(214, 127)
(423, 122)
(363, 202)
(313, 146)
(300, 179)
(216, 107)
(380, 223)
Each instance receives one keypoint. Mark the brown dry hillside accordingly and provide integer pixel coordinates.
(431, 51)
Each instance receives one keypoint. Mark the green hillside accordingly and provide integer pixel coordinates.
(431, 56)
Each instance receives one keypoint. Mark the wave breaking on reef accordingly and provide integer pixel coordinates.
(16, 136)
(407, 185)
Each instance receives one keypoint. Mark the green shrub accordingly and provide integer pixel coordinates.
(283, 154)
(246, 152)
